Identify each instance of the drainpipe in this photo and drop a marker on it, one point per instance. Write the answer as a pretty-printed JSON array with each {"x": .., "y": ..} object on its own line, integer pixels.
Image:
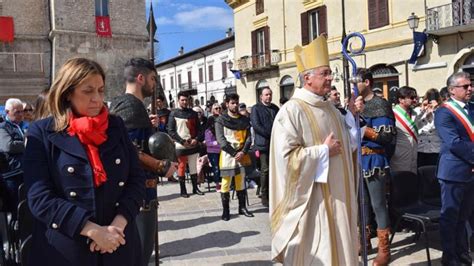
[
  {"x": 205, "y": 77},
  {"x": 175, "y": 83},
  {"x": 51, "y": 25},
  {"x": 284, "y": 29},
  {"x": 406, "y": 73}
]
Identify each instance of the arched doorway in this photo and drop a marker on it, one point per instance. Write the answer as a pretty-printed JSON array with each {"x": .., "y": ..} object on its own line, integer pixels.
[
  {"x": 386, "y": 78},
  {"x": 287, "y": 87},
  {"x": 468, "y": 65},
  {"x": 261, "y": 84}
]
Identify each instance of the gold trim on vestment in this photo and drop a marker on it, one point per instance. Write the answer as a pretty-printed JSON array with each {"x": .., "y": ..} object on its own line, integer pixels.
[
  {"x": 324, "y": 186},
  {"x": 347, "y": 185},
  {"x": 282, "y": 209}
]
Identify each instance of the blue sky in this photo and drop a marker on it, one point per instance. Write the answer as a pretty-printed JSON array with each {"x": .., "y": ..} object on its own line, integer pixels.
[{"x": 188, "y": 23}]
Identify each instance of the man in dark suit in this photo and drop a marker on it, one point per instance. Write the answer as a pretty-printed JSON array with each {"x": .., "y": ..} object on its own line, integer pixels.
[{"x": 454, "y": 122}]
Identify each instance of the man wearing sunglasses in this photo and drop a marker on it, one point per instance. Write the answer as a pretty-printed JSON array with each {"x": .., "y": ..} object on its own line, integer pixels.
[
  {"x": 406, "y": 151},
  {"x": 12, "y": 146},
  {"x": 454, "y": 122}
]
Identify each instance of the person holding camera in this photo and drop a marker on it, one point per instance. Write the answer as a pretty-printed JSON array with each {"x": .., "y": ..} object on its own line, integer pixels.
[{"x": 428, "y": 139}]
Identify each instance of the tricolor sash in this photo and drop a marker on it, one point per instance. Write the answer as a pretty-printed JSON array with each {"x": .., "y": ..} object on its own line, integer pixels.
[
  {"x": 462, "y": 116},
  {"x": 406, "y": 121}
]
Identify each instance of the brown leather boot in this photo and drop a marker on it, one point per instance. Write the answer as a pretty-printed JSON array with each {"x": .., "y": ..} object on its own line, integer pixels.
[{"x": 383, "y": 255}]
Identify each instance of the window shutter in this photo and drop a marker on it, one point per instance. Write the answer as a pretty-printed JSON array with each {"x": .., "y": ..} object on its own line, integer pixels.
[
  {"x": 254, "y": 42},
  {"x": 254, "y": 48},
  {"x": 378, "y": 13},
  {"x": 383, "y": 13},
  {"x": 190, "y": 80},
  {"x": 200, "y": 75},
  {"x": 172, "y": 82},
  {"x": 304, "y": 28},
  {"x": 259, "y": 6},
  {"x": 224, "y": 69},
  {"x": 373, "y": 20},
  {"x": 211, "y": 73},
  {"x": 322, "y": 20},
  {"x": 266, "y": 35}
]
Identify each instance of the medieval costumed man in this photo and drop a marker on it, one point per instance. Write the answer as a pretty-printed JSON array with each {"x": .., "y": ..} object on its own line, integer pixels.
[{"x": 313, "y": 204}]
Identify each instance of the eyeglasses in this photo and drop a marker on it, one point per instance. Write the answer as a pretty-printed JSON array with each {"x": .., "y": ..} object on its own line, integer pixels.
[
  {"x": 217, "y": 108},
  {"x": 465, "y": 86},
  {"x": 413, "y": 97},
  {"x": 28, "y": 110},
  {"x": 325, "y": 74}
]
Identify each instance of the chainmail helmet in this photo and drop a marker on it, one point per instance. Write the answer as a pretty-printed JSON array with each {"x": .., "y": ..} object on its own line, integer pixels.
[{"x": 162, "y": 147}]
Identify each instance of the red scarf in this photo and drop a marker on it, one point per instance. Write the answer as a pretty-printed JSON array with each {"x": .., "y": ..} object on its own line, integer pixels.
[{"x": 91, "y": 132}]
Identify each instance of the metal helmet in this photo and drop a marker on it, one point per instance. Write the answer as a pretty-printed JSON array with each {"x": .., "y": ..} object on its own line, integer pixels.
[{"x": 162, "y": 147}]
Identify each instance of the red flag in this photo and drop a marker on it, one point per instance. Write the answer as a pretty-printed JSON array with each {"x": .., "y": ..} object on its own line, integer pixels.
[
  {"x": 102, "y": 24},
  {"x": 6, "y": 29}
]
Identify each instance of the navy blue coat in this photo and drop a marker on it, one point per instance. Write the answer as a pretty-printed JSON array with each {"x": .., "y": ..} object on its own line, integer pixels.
[
  {"x": 62, "y": 197},
  {"x": 262, "y": 118},
  {"x": 457, "y": 150}
]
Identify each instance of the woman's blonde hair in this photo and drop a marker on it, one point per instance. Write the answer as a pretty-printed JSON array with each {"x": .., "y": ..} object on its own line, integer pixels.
[{"x": 71, "y": 74}]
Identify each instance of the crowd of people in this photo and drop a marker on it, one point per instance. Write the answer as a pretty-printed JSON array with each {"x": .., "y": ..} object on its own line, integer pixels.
[{"x": 91, "y": 169}]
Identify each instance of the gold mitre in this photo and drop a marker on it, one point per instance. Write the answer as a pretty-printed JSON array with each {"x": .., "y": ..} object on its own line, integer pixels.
[{"x": 312, "y": 55}]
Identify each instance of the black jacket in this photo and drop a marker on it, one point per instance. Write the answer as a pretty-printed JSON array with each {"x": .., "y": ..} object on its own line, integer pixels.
[
  {"x": 12, "y": 146},
  {"x": 262, "y": 117}
]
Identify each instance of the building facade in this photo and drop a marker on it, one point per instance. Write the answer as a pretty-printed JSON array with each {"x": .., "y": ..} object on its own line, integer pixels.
[
  {"x": 267, "y": 31},
  {"x": 49, "y": 32},
  {"x": 204, "y": 72}
]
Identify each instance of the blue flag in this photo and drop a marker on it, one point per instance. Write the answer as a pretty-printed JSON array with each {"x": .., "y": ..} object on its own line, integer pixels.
[
  {"x": 419, "y": 40},
  {"x": 236, "y": 73}
]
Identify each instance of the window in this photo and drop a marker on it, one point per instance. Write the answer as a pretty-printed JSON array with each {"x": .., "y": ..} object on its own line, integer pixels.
[
  {"x": 259, "y": 7},
  {"x": 287, "y": 87},
  {"x": 211, "y": 73},
  {"x": 179, "y": 81},
  {"x": 163, "y": 83},
  {"x": 261, "y": 47},
  {"x": 172, "y": 82},
  {"x": 378, "y": 13},
  {"x": 190, "y": 79},
  {"x": 313, "y": 24},
  {"x": 224, "y": 69},
  {"x": 101, "y": 7},
  {"x": 200, "y": 75}
]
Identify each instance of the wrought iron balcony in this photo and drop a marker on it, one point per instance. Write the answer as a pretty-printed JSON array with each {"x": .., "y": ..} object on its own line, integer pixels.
[
  {"x": 260, "y": 61},
  {"x": 190, "y": 88},
  {"x": 450, "y": 18}
]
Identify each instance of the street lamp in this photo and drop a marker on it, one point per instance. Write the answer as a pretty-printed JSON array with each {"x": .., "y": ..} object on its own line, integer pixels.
[
  {"x": 413, "y": 21},
  {"x": 230, "y": 64}
]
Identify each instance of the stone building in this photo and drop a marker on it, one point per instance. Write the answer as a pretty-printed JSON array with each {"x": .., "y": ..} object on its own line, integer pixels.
[
  {"x": 49, "y": 32},
  {"x": 266, "y": 32}
]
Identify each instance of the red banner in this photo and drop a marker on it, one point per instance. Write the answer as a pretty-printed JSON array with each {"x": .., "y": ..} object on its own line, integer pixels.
[
  {"x": 6, "y": 29},
  {"x": 102, "y": 26}
]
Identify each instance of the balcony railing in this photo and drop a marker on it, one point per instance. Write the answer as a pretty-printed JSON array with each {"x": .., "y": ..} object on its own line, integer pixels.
[
  {"x": 189, "y": 88},
  {"x": 459, "y": 13},
  {"x": 259, "y": 61}
]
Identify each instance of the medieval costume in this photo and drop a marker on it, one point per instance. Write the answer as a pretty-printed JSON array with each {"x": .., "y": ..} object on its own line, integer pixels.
[
  {"x": 378, "y": 136},
  {"x": 139, "y": 128},
  {"x": 183, "y": 126},
  {"x": 233, "y": 135}
]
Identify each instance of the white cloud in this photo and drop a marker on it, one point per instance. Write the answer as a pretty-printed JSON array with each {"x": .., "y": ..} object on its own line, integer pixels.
[
  {"x": 209, "y": 17},
  {"x": 164, "y": 21}
]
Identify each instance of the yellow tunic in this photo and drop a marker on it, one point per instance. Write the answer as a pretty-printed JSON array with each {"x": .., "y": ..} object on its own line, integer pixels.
[{"x": 312, "y": 223}]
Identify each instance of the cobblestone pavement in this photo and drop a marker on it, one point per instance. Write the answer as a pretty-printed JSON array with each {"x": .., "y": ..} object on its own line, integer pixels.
[{"x": 191, "y": 232}]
